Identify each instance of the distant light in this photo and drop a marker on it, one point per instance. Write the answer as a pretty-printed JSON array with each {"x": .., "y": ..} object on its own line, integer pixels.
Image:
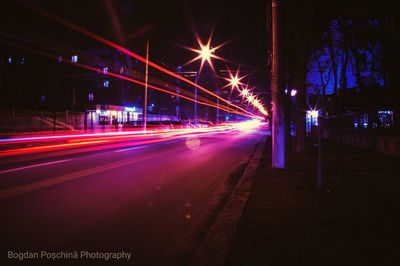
[
  {"x": 130, "y": 109},
  {"x": 91, "y": 97},
  {"x": 234, "y": 81},
  {"x": 285, "y": 91},
  {"x": 245, "y": 92},
  {"x": 313, "y": 116},
  {"x": 248, "y": 125},
  {"x": 10, "y": 60},
  {"x": 293, "y": 92},
  {"x": 106, "y": 83},
  {"x": 251, "y": 99},
  {"x": 105, "y": 70},
  {"x": 74, "y": 59},
  {"x": 313, "y": 113},
  {"x": 60, "y": 59}
]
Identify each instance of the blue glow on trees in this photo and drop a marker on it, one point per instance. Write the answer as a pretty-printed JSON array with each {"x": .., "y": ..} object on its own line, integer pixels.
[{"x": 349, "y": 63}]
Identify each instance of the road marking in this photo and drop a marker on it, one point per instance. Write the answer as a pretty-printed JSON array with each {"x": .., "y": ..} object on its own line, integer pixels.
[
  {"x": 32, "y": 166},
  {"x": 134, "y": 148},
  {"x": 15, "y": 191}
]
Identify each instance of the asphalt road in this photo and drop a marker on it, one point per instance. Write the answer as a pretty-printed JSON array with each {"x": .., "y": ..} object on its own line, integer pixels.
[{"x": 155, "y": 201}]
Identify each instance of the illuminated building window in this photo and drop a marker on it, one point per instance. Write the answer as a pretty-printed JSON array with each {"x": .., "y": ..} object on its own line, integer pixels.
[
  {"x": 385, "y": 118},
  {"x": 22, "y": 61},
  {"x": 311, "y": 119},
  {"x": 121, "y": 70},
  {"x": 74, "y": 59},
  {"x": 10, "y": 60},
  {"x": 106, "y": 83},
  {"x": 105, "y": 70},
  {"x": 91, "y": 97}
]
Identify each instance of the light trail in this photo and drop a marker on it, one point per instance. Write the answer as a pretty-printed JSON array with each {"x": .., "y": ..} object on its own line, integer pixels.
[
  {"x": 117, "y": 139},
  {"x": 132, "y": 80},
  {"x": 90, "y": 140},
  {"x": 124, "y": 50},
  {"x": 32, "y": 166}
]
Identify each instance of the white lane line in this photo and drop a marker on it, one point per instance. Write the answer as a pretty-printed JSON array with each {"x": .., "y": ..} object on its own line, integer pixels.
[
  {"x": 32, "y": 166},
  {"x": 134, "y": 148}
]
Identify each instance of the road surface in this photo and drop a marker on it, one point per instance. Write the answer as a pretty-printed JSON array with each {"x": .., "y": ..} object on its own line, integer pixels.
[{"x": 154, "y": 200}]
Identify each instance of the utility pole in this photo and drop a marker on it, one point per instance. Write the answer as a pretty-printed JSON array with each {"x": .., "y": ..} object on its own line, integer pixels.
[
  {"x": 178, "y": 91},
  {"x": 277, "y": 87},
  {"x": 195, "y": 98},
  {"x": 145, "y": 87}
]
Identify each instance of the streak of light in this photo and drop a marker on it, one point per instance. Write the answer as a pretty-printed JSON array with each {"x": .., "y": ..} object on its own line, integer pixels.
[
  {"x": 94, "y": 36},
  {"x": 129, "y": 149},
  {"x": 222, "y": 107},
  {"x": 33, "y": 166},
  {"x": 47, "y": 148},
  {"x": 115, "y": 21},
  {"x": 113, "y": 141},
  {"x": 248, "y": 125}
]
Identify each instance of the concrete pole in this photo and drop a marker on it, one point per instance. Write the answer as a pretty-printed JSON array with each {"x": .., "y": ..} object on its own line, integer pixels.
[
  {"x": 195, "y": 99},
  {"x": 178, "y": 91},
  {"x": 146, "y": 87},
  {"x": 277, "y": 87}
]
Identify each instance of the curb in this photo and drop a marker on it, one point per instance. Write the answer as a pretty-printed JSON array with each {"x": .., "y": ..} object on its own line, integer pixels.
[{"x": 215, "y": 247}]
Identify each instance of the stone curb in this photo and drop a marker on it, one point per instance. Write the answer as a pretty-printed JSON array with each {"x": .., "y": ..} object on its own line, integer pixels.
[{"x": 215, "y": 247}]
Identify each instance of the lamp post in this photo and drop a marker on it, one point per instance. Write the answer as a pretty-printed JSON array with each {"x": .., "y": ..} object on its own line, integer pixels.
[
  {"x": 195, "y": 97},
  {"x": 205, "y": 53},
  {"x": 146, "y": 87}
]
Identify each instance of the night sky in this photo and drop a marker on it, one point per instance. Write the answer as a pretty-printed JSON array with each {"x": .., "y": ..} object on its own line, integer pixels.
[{"x": 169, "y": 25}]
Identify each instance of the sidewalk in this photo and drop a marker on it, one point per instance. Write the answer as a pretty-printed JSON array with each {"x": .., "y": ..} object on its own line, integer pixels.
[{"x": 355, "y": 220}]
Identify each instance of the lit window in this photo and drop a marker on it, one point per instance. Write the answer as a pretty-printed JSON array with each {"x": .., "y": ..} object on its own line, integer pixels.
[
  {"x": 74, "y": 58},
  {"x": 10, "y": 60},
  {"x": 121, "y": 70},
  {"x": 106, "y": 83},
  {"x": 105, "y": 70},
  {"x": 91, "y": 97},
  {"x": 22, "y": 61}
]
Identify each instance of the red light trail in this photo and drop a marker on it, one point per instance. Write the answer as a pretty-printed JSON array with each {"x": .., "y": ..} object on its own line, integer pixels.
[
  {"x": 109, "y": 73},
  {"x": 125, "y": 51}
]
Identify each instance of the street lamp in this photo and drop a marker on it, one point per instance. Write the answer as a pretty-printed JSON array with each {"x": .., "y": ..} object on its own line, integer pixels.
[
  {"x": 205, "y": 53},
  {"x": 234, "y": 81}
]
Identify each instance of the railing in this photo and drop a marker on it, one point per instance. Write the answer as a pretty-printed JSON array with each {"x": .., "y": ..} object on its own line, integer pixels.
[
  {"x": 387, "y": 142},
  {"x": 14, "y": 122}
]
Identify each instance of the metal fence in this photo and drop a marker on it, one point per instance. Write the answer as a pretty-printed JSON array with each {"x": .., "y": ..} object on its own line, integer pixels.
[{"x": 25, "y": 121}]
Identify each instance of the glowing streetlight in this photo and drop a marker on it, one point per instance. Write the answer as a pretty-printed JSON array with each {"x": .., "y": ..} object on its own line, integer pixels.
[
  {"x": 205, "y": 52},
  {"x": 234, "y": 81},
  {"x": 244, "y": 92}
]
